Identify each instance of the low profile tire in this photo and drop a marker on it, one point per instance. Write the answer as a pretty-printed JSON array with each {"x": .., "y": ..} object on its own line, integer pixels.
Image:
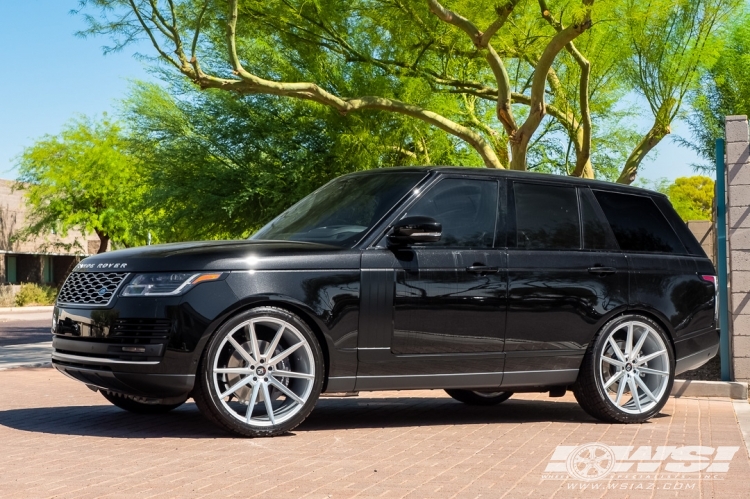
[
  {"x": 130, "y": 405},
  {"x": 479, "y": 397},
  {"x": 261, "y": 373},
  {"x": 627, "y": 372}
]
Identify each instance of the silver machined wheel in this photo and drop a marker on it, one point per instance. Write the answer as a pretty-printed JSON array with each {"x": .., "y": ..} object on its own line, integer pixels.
[
  {"x": 263, "y": 372},
  {"x": 634, "y": 367}
]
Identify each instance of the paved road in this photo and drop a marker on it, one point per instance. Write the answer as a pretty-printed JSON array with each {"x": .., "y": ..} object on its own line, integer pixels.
[
  {"x": 59, "y": 439},
  {"x": 24, "y": 339}
]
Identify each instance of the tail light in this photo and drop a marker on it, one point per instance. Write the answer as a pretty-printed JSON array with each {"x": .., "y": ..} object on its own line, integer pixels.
[{"x": 712, "y": 279}]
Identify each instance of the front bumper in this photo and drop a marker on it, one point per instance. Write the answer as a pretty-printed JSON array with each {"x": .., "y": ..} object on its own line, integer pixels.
[{"x": 142, "y": 346}]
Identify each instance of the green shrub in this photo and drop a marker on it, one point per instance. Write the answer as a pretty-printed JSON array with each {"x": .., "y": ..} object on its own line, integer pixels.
[{"x": 34, "y": 294}]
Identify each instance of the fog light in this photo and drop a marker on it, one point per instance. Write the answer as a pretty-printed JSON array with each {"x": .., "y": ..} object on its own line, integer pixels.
[{"x": 134, "y": 349}]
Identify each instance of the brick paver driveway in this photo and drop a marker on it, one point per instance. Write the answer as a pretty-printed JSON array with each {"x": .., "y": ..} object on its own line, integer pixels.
[{"x": 58, "y": 439}]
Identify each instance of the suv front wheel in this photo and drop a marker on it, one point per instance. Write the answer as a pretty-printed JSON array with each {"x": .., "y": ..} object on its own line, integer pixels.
[
  {"x": 627, "y": 372},
  {"x": 261, "y": 373}
]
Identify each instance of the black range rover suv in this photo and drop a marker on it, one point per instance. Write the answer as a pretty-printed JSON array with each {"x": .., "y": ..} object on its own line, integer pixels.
[{"x": 479, "y": 282}]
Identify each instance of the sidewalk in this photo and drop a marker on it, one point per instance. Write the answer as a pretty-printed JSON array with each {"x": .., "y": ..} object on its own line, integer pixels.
[{"x": 62, "y": 440}]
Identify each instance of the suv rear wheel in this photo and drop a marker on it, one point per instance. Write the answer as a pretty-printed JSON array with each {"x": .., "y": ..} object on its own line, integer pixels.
[
  {"x": 627, "y": 372},
  {"x": 479, "y": 397},
  {"x": 261, "y": 373}
]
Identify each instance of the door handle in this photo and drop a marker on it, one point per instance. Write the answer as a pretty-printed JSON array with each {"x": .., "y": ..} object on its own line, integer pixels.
[
  {"x": 602, "y": 270},
  {"x": 482, "y": 269}
]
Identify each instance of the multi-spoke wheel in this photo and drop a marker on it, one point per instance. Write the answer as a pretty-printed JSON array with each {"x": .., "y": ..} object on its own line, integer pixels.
[
  {"x": 479, "y": 397},
  {"x": 261, "y": 373},
  {"x": 628, "y": 371}
]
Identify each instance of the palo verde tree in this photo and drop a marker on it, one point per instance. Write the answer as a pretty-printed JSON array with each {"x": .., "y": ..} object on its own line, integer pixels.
[
  {"x": 83, "y": 178},
  {"x": 495, "y": 78}
]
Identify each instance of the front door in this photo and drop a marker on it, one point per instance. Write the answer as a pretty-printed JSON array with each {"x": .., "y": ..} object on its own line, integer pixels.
[{"x": 434, "y": 314}]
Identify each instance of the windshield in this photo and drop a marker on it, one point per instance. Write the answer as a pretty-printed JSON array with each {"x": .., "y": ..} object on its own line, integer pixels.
[{"x": 343, "y": 210}]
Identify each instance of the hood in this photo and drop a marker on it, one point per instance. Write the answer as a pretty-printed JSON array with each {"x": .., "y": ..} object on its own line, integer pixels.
[{"x": 223, "y": 255}]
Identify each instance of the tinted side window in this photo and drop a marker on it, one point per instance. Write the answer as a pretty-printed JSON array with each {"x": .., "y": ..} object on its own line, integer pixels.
[
  {"x": 546, "y": 217},
  {"x": 467, "y": 209},
  {"x": 596, "y": 231},
  {"x": 638, "y": 224}
]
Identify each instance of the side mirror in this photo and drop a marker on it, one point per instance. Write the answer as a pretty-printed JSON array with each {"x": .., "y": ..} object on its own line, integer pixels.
[{"x": 414, "y": 230}]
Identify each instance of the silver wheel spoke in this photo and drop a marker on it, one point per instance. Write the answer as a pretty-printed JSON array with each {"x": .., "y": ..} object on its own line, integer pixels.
[
  {"x": 610, "y": 360},
  {"x": 645, "y": 389},
  {"x": 236, "y": 386},
  {"x": 267, "y": 400},
  {"x": 639, "y": 345},
  {"x": 286, "y": 391},
  {"x": 233, "y": 370},
  {"x": 616, "y": 349},
  {"x": 613, "y": 379},
  {"x": 634, "y": 393},
  {"x": 244, "y": 353},
  {"x": 286, "y": 353},
  {"x": 251, "y": 405},
  {"x": 648, "y": 370},
  {"x": 254, "y": 340},
  {"x": 620, "y": 391},
  {"x": 648, "y": 357},
  {"x": 629, "y": 341},
  {"x": 272, "y": 347},
  {"x": 290, "y": 374}
]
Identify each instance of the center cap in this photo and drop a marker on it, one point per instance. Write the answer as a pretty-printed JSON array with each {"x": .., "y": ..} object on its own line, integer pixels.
[
  {"x": 628, "y": 367},
  {"x": 261, "y": 371}
]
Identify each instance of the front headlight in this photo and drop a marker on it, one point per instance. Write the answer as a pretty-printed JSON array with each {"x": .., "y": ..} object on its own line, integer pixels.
[{"x": 166, "y": 284}]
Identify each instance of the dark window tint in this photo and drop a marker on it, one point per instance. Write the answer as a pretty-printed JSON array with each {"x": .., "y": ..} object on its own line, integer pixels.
[
  {"x": 638, "y": 224},
  {"x": 341, "y": 212},
  {"x": 596, "y": 231},
  {"x": 546, "y": 217},
  {"x": 467, "y": 209}
]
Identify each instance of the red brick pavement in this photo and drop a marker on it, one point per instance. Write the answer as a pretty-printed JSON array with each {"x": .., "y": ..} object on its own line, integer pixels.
[{"x": 59, "y": 439}]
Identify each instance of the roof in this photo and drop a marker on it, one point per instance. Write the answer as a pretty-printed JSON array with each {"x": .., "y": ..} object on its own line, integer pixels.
[{"x": 519, "y": 175}]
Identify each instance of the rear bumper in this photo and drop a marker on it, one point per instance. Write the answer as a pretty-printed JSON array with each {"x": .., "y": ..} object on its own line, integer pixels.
[{"x": 693, "y": 352}]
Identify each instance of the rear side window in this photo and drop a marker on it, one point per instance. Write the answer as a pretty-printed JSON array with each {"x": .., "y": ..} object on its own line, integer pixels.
[
  {"x": 546, "y": 217},
  {"x": 638, "y": 224},
  {"x": 597, "y": 235}
]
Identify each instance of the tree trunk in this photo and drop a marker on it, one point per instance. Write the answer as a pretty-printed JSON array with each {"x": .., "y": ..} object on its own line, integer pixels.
[
  {"x": 659, "y": 130},
  {"x": 103, "y": 242}
]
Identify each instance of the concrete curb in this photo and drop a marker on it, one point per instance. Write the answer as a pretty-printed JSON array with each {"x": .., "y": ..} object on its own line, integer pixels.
[
  {"x": 4, "y": 310},
  {"x": 32, "y": 365},
  {"x": 691, "y": 388}
]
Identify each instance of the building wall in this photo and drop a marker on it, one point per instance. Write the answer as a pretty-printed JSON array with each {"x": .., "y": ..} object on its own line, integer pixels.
[
  {"x": 703, "y": 230},
  {"x": 30, "y": 254}
]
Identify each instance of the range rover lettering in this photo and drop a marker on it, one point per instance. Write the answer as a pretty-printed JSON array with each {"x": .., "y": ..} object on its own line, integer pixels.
[{"x": 482, "y": 283}]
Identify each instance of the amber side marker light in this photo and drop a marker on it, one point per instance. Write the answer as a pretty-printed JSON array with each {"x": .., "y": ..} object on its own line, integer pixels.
[{"x": 205, "y": 278}]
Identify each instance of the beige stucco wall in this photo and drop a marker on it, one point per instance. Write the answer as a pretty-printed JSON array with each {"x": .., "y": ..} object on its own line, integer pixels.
[{"x": 13, "y": 218}]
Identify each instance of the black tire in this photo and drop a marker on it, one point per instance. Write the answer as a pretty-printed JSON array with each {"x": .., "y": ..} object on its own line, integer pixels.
[
  {"x": 129, "y": 404},
  {"x": 216, "y": 411},
  {"x": 479, "y": 397},
  {"x": 589, "y": 388}
]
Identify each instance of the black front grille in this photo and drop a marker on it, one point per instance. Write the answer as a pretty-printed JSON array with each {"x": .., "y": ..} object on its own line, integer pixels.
[
  {"x": 139, "y": 331},
  {"x": 90, "y": 288}
]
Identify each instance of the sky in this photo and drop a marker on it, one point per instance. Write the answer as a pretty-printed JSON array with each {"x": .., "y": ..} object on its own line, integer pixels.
[{"x": 51, "y": 76}]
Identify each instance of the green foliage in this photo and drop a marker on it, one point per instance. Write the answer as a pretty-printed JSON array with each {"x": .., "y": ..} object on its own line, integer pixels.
[
  {"x": 34, "y": 294},
  {"x": 220, "y": 166},
  {"x": 692, "y": 197},
  {"x": 724, "y": 91},
  {"x": 83, "y": 178}
]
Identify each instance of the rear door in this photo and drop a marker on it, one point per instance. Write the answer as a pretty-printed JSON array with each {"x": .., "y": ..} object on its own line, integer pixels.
[{"x": 565, "y": 276}]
